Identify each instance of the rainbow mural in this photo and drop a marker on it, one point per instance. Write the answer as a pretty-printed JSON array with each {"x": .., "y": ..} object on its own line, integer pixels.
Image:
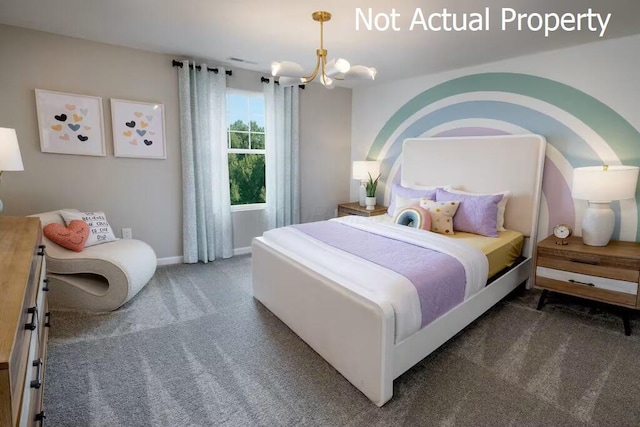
[{"x": 580, "y": 131}]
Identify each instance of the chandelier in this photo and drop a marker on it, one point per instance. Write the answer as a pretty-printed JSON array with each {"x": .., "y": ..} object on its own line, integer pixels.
[{"x": 291, "y": 73}]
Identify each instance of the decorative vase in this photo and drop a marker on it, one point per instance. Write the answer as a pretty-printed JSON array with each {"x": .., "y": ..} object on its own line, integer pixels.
[{"x": 370, "y": 202}]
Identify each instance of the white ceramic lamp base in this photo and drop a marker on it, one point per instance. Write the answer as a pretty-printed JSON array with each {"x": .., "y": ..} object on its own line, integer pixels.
[
  {"x": 362, "y": 193},
  {"x": 597, "y": 224}
]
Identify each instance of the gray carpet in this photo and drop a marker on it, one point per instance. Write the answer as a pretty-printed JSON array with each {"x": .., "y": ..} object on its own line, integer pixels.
[{"x": 195, "y": 349}]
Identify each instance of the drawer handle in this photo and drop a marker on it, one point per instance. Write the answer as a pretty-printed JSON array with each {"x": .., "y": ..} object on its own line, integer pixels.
[
  {"x": 33, "y": 311},
  {"x": 46, "y": 285},
  {"x": 581, "y": 283},
  {"x": 40, "y": 417},
  {"x": 47, "y": 319},
  {"x": 38, "y": 381},
  {"x": 582, "y": 261},
  {"x": 41, "y": 250}
]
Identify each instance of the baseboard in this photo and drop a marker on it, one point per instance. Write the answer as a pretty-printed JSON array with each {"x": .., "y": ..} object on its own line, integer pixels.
[
  {"x": 179, "y": 259},
  {"x": 170, "y": 260},
  {"x": 242, "y": 251}
]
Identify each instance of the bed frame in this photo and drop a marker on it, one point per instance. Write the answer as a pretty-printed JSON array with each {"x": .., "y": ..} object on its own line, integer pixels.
[{"x": 356, "y": 335}]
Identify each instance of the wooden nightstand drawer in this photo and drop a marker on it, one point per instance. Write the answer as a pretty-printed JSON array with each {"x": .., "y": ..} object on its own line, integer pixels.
[
  {"x": 581, "y": 266},
  {"x": 572, "y": 278},
  {"x": 587, "y": 259}
]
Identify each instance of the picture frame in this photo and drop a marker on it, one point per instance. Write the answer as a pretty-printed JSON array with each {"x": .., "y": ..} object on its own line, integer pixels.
[
  {"x": 138, "y": 129},
  {"x": 70, "y": 123}
]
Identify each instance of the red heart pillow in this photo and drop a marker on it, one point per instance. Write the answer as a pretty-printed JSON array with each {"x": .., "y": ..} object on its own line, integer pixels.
[{"x": 73, "y": 237}]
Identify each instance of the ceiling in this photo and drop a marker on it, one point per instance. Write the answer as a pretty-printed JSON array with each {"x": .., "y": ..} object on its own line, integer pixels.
[{"x": 263, "y": 31}]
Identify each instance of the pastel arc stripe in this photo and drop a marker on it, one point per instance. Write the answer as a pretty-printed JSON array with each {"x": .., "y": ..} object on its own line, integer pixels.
[{"x": 613, "y": 128}]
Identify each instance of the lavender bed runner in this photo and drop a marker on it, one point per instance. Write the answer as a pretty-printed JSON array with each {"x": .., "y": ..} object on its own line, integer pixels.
[{"x": 438, "y": 278}]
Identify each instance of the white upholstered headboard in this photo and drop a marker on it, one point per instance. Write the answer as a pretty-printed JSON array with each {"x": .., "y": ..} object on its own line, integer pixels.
[{"x": 483, "y": 164}]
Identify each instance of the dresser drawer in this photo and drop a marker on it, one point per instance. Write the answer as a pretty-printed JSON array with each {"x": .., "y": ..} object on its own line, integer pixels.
[
  {"x": 32, "y": 386},
  {"x": 28, "y": 331}
]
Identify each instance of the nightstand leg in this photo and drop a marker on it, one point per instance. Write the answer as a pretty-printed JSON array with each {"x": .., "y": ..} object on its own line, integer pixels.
[
  {"x": 543, "y": 295},
  {"x": 625, "y": 322}
]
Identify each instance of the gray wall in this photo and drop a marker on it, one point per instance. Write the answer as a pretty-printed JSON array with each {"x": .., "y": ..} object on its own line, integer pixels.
[
  {"x": 325, "y": 167},
  {"x": 143, "y": 194}
]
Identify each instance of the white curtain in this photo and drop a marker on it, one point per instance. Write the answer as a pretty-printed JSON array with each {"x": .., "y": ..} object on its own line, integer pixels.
[
  {"x": 282, "y": 151},
  {"x": 206, "y": 207}
]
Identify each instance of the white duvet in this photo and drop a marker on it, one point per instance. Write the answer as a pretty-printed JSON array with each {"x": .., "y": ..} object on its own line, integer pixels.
[{"x": 372, "y": 281}]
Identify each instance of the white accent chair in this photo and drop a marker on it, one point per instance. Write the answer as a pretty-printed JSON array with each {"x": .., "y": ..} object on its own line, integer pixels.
[{"x": 100, "y": 278}]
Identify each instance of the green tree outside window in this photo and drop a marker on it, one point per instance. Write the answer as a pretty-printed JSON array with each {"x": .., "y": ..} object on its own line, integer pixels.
[{"x": 246, "y": 145}]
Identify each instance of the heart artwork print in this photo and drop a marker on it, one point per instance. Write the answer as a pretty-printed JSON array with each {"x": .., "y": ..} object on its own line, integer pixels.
[
  {"x": 138, "y": 129},
  {"x": 69, "y": 123}
]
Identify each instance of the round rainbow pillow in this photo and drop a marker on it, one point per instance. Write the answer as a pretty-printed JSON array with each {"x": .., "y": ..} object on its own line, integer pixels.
[{"x": 414, "y": 216}]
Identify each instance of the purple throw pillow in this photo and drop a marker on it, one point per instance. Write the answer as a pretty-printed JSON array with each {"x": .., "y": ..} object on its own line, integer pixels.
[
  {"x": 409, "y": 193},
  {"x": 476, "y": 214}
]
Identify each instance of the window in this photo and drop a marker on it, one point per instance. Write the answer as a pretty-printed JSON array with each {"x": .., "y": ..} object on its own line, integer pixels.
[{"x": 245, "y": 148}]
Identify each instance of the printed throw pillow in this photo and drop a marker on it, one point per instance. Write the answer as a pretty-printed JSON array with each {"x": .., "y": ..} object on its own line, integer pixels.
[
  {"x": 414, "y": 216},
  {"x": 477, "y": 214},
  {"x": 409, "y": 196},
  {"x": 441, "y": 214},
  {"x": 99, "y": 229},
  {"x": 72, "y": 237}
]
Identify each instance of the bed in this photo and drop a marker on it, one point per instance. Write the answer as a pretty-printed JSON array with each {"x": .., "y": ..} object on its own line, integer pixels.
[{"x": 361, "y": 335}]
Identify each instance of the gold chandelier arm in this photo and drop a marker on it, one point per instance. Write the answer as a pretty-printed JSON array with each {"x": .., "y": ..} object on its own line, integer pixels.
[
  {"x": 323, "y": 75},
  {"x": 313, "y": 75}
]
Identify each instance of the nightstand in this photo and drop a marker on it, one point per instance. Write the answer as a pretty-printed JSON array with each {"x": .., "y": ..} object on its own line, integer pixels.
[
  {"x": 607, "y": 274},
  {"x": 354, "y": 208}
]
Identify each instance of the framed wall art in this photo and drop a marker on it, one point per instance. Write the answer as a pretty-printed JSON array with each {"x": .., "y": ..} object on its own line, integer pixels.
[
  {"x": 70, "y": 123},
  {"x": 138, "y": 129}
]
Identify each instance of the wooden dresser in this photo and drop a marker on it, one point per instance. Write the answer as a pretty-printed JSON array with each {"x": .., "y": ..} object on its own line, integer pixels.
[{"x": 24, "y": 321}]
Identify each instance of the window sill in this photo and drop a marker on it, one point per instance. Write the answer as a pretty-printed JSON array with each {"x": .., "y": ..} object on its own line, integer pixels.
[{"x": 249, "y": 207}]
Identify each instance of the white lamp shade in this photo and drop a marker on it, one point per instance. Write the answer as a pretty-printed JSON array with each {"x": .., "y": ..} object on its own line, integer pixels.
[
  {"x": 361, "y": 72},
  {"x": 603, "y": 184},
  {"x": 327, "y": 82},
  {"x": 287, "y": 68},
  {"x": 362, "y": 169},
  {"x": 336, "y": 67},
  {"x": 10, "y": 159}
]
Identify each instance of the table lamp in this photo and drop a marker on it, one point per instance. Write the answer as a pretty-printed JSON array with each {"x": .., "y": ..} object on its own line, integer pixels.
[
  {"x": 600, "y": 185},
  {"x": 10, "y": 159},
  {"x": 361, "y": 171}
]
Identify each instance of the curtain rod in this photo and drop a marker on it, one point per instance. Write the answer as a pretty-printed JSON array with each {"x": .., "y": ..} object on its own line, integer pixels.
[
  {"x": 198, "y": 67},
  {"x": 266, "y": 80}
]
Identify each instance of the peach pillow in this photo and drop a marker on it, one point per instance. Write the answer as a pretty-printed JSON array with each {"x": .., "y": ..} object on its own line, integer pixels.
[{"x": 72, "y": 237}]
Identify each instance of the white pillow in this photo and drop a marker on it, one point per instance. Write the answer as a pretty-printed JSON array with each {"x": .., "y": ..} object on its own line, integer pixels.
[
  {"x": 502, "y": 205},
  {"x": 99, "y": 229}
]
